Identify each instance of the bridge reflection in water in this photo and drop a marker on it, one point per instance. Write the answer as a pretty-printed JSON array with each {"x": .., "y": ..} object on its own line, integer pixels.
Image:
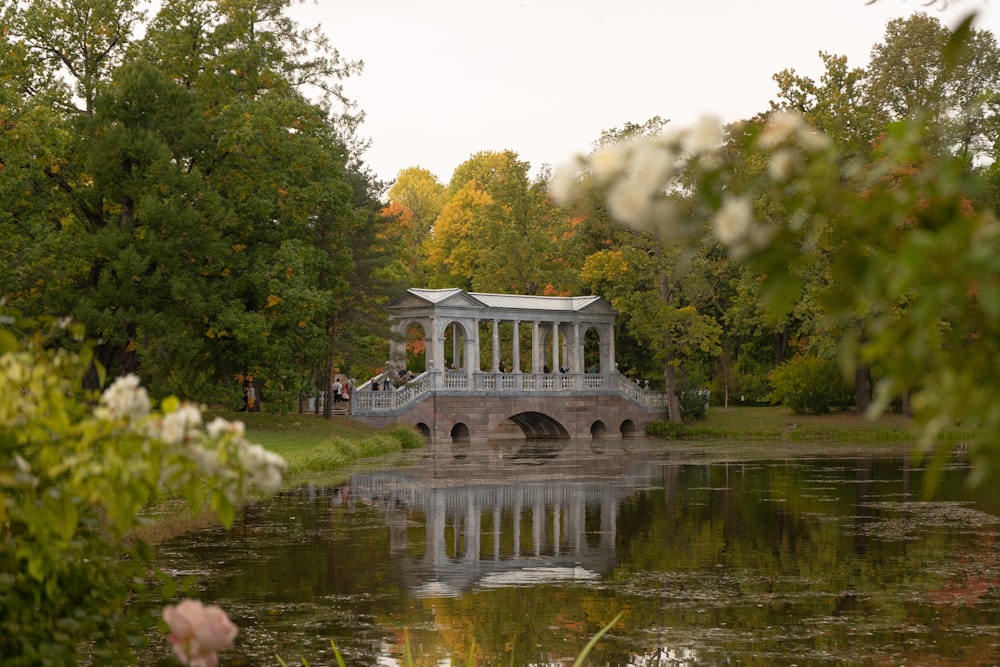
[{"x": 557, "y": 521}]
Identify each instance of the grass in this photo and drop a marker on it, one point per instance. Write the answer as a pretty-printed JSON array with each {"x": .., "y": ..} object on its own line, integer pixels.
[
  {"x": 772, "y": 423},
  {"x": 319, "y": 449}
]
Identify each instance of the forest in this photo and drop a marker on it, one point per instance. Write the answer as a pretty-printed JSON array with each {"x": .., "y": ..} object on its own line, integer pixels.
[{"x": 190, "y": 187}]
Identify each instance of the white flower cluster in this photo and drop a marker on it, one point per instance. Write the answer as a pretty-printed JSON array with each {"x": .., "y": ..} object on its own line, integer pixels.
[
  {"x": 124, "y": 399},
  {"x": 264, "y": 468},
  {"x": 637, "y": 175},
  {"x": 179, "y": 426},
  {"x": 734, "y": 227},
  {"x": 208, "y": 448}
]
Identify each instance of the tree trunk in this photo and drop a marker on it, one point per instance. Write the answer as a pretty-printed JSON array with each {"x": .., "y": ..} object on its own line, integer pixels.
[
  {"x": 862, "y": 388},
  {"x": 780, "y": 344},
  {"x": 326, "y": 377},
  {"x": 724, "y": 369},
  {"x": 673, "y": 398}
]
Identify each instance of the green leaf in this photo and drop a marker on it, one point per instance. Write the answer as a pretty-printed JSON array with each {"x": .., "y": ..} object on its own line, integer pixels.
[{"x": 593, "y": 640}]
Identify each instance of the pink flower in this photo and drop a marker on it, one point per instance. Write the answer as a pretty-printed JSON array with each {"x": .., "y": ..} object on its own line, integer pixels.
[{"x": 198, "y": 632}]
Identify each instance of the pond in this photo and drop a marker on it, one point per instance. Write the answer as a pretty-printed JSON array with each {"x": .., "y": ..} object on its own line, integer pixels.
[{"x": 517, "y": 554}]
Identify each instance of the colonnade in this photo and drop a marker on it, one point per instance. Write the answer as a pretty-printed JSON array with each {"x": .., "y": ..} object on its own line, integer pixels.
[{"x": 559, "y": 327}]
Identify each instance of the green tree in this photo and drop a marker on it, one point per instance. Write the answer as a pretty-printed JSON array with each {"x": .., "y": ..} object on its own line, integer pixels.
[
  {"x": 950, "y": 80},
  {"x": 201, "y": 206}
]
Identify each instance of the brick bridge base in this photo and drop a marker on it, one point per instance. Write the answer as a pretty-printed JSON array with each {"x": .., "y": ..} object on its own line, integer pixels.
[{"x": 445, "y": 418}]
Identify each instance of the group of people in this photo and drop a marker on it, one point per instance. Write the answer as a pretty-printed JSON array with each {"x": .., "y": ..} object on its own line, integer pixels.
[
  {"x": 341, "y": 390},
  {"x": 388, "y": 379}
]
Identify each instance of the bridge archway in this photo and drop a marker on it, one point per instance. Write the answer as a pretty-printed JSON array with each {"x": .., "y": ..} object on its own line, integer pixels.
[
  {"x": 538, "y": 426},
  {"x": 598, "y": 429}
]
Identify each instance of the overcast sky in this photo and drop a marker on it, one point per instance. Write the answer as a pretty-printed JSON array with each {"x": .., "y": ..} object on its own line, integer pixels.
[{"x": 444, "y": 79}]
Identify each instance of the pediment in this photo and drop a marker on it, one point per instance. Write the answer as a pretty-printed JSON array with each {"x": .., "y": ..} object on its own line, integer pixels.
[{"x": 421, "y": 298}]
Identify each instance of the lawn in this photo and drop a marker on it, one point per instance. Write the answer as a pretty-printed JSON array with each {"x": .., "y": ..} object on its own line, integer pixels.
[
  {"x": 288, "y": 433},
  {"x": 778, "y": 422}
]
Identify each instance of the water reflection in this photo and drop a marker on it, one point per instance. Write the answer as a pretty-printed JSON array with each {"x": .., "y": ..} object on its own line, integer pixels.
[{"x": 715, "y": 556}]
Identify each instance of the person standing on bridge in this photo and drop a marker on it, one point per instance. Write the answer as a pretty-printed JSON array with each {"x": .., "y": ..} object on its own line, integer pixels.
[{"x": 337, "y": 389}]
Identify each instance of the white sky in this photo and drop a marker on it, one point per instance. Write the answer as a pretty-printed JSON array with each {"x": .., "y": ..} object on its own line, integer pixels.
[{"x": 444, "y": 79}]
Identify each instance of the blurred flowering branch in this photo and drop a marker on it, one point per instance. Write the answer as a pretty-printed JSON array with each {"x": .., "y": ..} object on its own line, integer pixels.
[
  {"x": 904, "y": 258},
  {"x": 75, "y": 473}
]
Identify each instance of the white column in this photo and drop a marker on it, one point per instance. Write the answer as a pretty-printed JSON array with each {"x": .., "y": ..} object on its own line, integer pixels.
[
  {"x": 496, "y": 346},
  {"x": 435, "y": 351},
  {"x": 516, "y": 361},
  {"x": 576, "y": 355},
  {"x": 536, "y": 358},
  {"x": 472, "y": 358},
  {"x": 555, "y": 347}
]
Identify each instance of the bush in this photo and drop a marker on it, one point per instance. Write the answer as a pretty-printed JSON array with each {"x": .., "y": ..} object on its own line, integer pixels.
[
  {"x": 665, "y": 429},
  {"x": 694, "y": 404},
  {"x": 76, "y": 470},
  {"x": 810, "y": 385}
]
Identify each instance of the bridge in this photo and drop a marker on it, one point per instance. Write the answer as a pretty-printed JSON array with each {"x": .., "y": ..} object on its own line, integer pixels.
[{"x": 468, "y": 392}]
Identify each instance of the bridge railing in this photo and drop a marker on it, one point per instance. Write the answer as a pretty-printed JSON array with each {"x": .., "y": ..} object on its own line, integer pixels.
[{"x": 364, "y": 401}]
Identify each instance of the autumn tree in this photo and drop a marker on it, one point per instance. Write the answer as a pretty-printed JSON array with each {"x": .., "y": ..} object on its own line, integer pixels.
[
  {"x": 415, "y": 201},
  {"x": 498, "y": 231}
]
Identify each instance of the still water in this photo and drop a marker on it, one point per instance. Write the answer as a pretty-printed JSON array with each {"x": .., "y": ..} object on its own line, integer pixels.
[{"x": 763, "y": 554}]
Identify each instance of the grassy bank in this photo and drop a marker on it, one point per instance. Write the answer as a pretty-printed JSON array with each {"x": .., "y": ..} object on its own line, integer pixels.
[
  {"x": 772, "y": 423},
  {"x": 317, "y": 448}
]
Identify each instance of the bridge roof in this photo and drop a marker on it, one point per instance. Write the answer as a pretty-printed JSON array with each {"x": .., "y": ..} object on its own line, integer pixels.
[{"x": 505, "y": 301}]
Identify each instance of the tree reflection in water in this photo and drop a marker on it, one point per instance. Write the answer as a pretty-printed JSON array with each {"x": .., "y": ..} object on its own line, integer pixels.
[{"x": 715, "y": 554}]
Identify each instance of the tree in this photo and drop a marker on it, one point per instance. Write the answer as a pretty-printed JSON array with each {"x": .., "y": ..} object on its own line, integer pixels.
[
  {"x": 415, "y": 201},
  {"x": 950, "y": 80},
  {"x": 498, "y": 232},
  {"x": 200, "y": 203},
  {"x": 646, "y": 281}
]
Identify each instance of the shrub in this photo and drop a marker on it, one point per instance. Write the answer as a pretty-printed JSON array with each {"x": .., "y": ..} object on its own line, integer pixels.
[
  {"x": 76, "y": 470},
  {"x": 810, "y": 385},
  {"x": 694, "y": 404},
  {"x": 665, "y": 429}
]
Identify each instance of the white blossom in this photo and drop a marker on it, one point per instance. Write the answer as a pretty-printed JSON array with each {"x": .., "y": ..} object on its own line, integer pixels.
[
  {"x": 783, "y": 164},
  {"x": 220, "y": 427},
  {"x": 781, "y": 126},
  {"x": 610, "y": 162},
  {"x": 566, "y": 185},
  {"x": 263, "y": 467},
  {"x": 628, "y": 202},
  {"x": 651, "y": 167},
  {"x": 705, "y": 136},
  {"x": 733, "y": 221},
  {"x": 125, "y": 398},
  {"x": 176, "y": 426},
  {"x": 813, "y": 140}
]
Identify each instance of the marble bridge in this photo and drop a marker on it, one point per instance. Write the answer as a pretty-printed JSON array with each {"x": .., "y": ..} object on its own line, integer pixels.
[{"x": 463, "y": 396}]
